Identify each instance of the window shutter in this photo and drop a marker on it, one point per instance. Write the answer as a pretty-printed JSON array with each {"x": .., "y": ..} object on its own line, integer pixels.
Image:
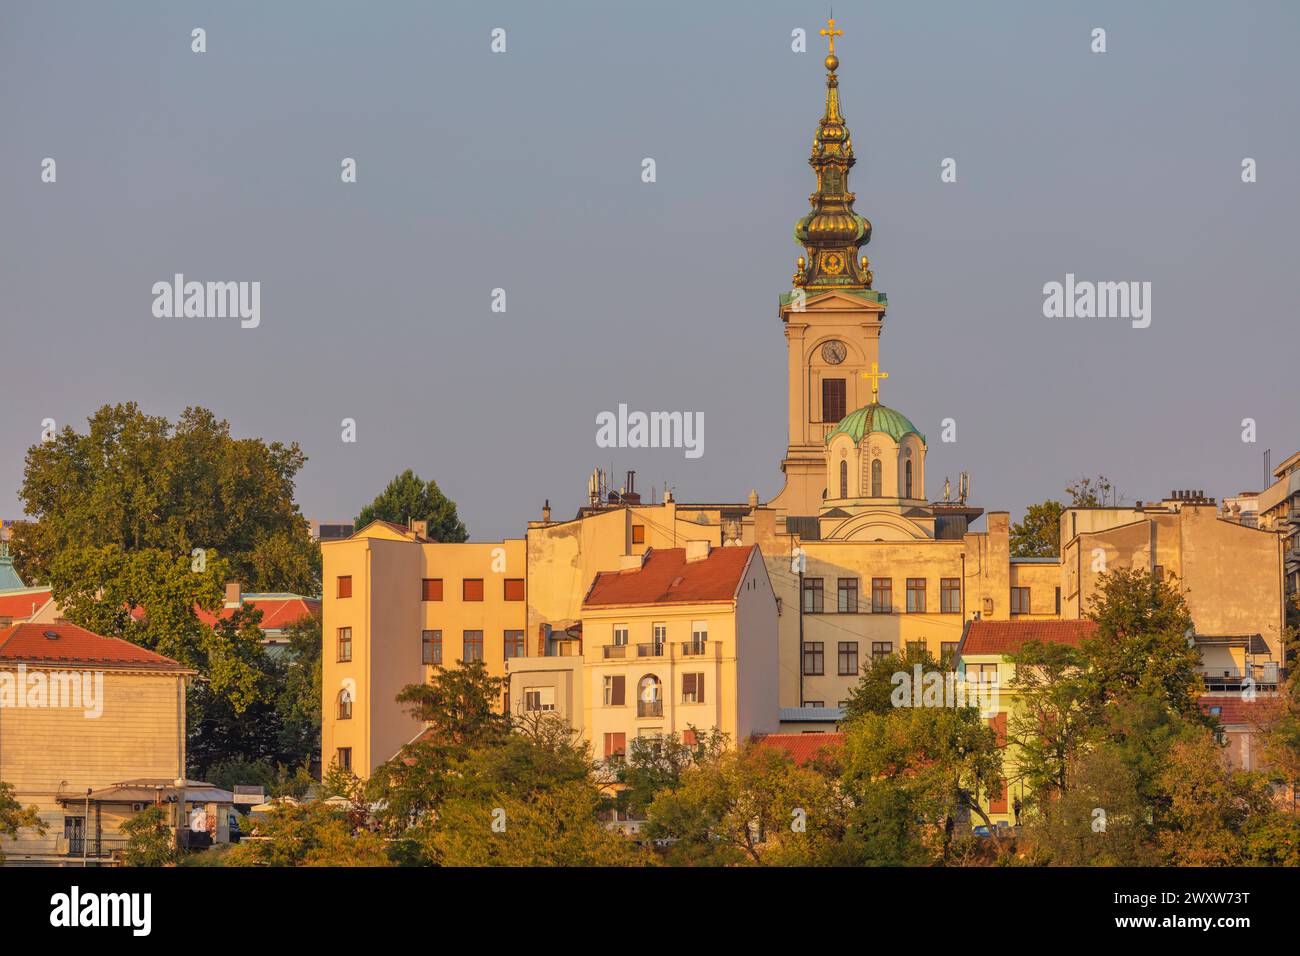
[{"x": 617, "y": 691}]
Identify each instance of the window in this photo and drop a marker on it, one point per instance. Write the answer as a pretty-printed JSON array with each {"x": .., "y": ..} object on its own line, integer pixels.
[
  {"x": 471, "y": 589},
  {"x": 881, "y": 649},
  {"x": 473, "y": 646},
  {"x": 514, "y": 589},
  {"x": 916, "y": 648},
  {"x": 638, "y": 534},
  {"x": 660, "y": 633},
  {"x": 689, "y": 738},
  {"x": 848, "y": 658},
  {"x": 343, "y": 758},
  {"x": 615, "y": 691},
  {"x": 1158, "y": 572},
  {"x": 431, "y": 589},
  {"x": 620, "y": 635},
  {"x": 814, "y": 654},
  {"x": 692, "y": 688},
  {"x": 916, "y": 595},
  {"x": 907, "y": 480},
  {"x": 345, "y": 644},
  {"x": 848, "y": 595},
  {"x": 985, "y": 673},
  {"x": 615, "y": 745},
  {"x": 948, "y": 652},
  {"x": 882, "y": 595},
  {"x": 814, "y": 703},
  {"x": 345, "y": 586},
  {"x": 812, "y": 596},
  {"x": 539, "y": 700},
  {"x": 834, "y": 405},
  {"x": 345, "y": 704},
  {"x": 431, "y": 647},
  {"x": 514, "y": 644},
  {"x": 950, "y": 595},
  {"x": 699, "y": 636},
  {"x": 844, "y": 479},
  {"x": 1020, "y": 600},
  {"x": 649, "y": 697},
  {"x": 1058, "y": 600}
]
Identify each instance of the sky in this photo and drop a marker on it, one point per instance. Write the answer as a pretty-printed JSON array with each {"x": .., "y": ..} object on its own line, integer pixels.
[{"x": 522, "y": 171}]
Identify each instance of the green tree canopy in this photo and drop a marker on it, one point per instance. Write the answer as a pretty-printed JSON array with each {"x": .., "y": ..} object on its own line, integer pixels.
[{"x": 408, "y": 497}]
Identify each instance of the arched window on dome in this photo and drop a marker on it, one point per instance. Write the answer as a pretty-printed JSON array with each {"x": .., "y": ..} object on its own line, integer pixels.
[
  {"x": 876, "y": 488},
  {"x": 907, "y": 480},
  {"x": 844, "y": 479}
]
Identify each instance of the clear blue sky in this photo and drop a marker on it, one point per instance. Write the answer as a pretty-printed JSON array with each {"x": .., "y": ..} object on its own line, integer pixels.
[{"x": 522, "y": 171}]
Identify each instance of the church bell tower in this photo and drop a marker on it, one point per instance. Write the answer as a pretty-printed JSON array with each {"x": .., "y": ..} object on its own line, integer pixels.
[{"x": 832, "y": 315}]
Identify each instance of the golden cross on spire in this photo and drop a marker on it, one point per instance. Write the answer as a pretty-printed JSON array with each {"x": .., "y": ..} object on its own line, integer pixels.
[
  {"x": 875, "y": 375},
  {"x": 832, "y": 33}
]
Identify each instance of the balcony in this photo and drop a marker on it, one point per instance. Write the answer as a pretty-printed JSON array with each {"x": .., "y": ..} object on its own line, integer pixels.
[
  {"x": 93, "y": 848},
  {"x": 649, "y": 708},
  {"x": 615, "y": 651},
  {"x": 650, "y": 650},
  {"x": 694, "y": 648}
]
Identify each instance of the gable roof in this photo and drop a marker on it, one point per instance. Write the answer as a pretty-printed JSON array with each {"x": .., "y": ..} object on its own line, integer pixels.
[
  {"x": 31, "y": 643},
  {"x": 802, "y": 748},
  {"x": 667, "y": 577},
  {"x": 1233, "y": 710},
  {"x": 1007, "y": 637},
  {"x": 23, "y": 602},
  {"x": 278, "y": 610}
]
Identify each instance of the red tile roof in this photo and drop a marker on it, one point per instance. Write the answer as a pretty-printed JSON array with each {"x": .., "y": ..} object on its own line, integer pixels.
[
  {"x": 75, "y": 645},
  {"x": 1234, "y": 710},
  {"x": 1007, "y": 637},
  {"x": 21, "y": 605},
  {"x": 667, "y": 578},
  {"x": 277, "y": 612},
  {"x": 802, "y": 747}
]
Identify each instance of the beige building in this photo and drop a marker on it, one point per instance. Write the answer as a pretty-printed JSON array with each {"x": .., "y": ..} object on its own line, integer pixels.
[{"x": 80, "y": 713}]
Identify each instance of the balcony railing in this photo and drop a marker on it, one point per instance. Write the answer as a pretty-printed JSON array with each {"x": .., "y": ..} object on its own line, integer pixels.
[
  {"x": 92, "y": 848},
  {"x": 649, "y": 708},
  {"x": 615, "y": 650},
  {"x": 694, "y": 648},
  {"x": 650, "y": 650}
]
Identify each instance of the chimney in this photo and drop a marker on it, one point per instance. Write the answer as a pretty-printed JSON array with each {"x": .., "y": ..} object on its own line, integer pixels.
[
  {"x": 753, "y": 497},
  {"x": 546, "y": 511},
  {"x": 697, "y": 550},
  {"x": 234, "y": 594},
  {"x": 421, "y": 528}
]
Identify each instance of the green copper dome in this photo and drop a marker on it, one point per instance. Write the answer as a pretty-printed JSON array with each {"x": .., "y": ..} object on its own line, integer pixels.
[{"x": 875, "y": 418}]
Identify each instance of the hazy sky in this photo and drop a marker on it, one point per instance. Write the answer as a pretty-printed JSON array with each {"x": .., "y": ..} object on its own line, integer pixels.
[{"x": 523, "y": 171}]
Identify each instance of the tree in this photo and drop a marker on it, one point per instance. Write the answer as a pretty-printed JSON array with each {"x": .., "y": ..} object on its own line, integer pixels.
[
  {"x": 310, "y": 834},
  {"x": 1143, "y": 642},
  {"x": 1053, "y": 719},
  {"x": 14, "y": 816},
  {"x": 653, "y": 765},
  {"x": 874, "y": 691},
  {"x": 459, "y": 705},
  {"x": 1086, "y": 492},
  {"x": 751, "y": 805},
  {"x": 1038, "y": 535},
  {"x": 134, "y": 482},
  {"x": 150, "y": 841},
  {"x": 408, "y": 497}
]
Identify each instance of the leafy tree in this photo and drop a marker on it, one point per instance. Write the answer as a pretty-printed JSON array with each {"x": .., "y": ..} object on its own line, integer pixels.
[
  {"x": 459, "y": 705},
  {"x": 309, "y": 834},
  {"x": 409, "y": 497},
  {"x": 1143, "y": 642},
  {"x": 1053, "y": 720},
  {"x": 653, "y": 765},
  {"x": 751, "y": 805},
  {"x": 1086, "y": 492},
  {"x": 134, "y": 482},
  {"x": 1038, "y": 534},
  {"x": 276, "y": 780},
  {"x": 874, "y": 691},
  {"x": 14, "y": 816},
  {"x": 150, "y": 841}
]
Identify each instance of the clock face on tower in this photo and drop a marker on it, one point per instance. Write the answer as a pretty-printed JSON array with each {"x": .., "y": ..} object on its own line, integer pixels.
[{"x": 833, "y": 352}]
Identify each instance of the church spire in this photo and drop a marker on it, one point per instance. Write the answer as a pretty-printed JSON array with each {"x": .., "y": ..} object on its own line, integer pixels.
[{"x": 832, "y": 232}]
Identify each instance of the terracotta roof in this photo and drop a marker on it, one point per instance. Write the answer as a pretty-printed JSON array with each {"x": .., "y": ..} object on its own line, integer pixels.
[
  {"x": 278, "y": 611},
  {"x": 802, "y": 747},
  {"x": 1232, "y": 709},
  {"x": 75, "y": 645},
  {"x": 668, "y": 578},
  {"x": 19, "y": 605},
  {"x": 1007, "y": 637}
]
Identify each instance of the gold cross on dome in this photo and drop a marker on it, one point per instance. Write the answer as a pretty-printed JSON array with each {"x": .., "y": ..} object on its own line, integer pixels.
[
  {"x": 832, "y": 33},
  {"x": 875, "y": 375}
]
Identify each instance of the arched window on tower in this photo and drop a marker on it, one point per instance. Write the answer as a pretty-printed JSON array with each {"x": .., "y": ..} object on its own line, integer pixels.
[
  {"x": 844, "y": 479},
  {"x": 907, "y": 480},
  {"x": 876, "y": 488},
  {"x": 345, "y": 704}
]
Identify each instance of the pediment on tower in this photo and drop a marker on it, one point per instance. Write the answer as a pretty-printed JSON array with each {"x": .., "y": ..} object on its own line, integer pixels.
[
  {"x": 833, "y": 300},
  {"x": 873, "y": 526}
]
